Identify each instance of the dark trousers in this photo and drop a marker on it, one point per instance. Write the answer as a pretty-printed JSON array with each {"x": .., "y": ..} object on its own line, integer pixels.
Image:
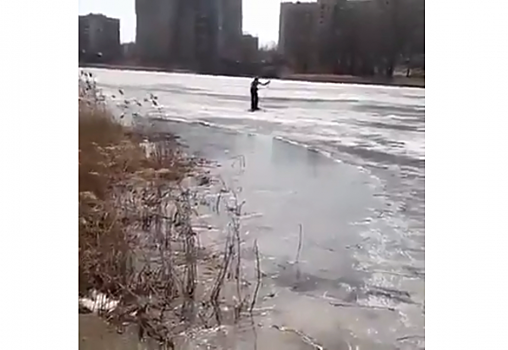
[{"x": 254, "y": 100}]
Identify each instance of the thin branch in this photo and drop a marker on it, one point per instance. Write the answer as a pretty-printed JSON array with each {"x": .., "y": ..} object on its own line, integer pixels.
[
  {"x": 305, "y": 338},
  {"x": 298, "y": 251},
  {"x": 258, "y": 283}
]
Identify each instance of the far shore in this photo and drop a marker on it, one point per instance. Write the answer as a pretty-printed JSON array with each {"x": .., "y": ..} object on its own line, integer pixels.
[
  {"x": 350, "y": 79},
  {"x": 402, "y": 81}
]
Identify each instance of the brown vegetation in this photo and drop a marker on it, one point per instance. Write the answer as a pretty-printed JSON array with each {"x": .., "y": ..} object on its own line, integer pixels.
[
  {"x": 109, "y": 155},
  {"x": 136, "y": 242}
]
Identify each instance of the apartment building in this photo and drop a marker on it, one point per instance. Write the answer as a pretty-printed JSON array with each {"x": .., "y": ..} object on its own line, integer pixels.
[
  {"x": 99, "y": 38},
  {"x": 298, "y": 29}
]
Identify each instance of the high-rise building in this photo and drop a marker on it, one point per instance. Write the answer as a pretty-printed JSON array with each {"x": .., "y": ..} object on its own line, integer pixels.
[
  {"x": 328, "y": 32},
  {"x": 249, "y": 48},
  {"x": 155, "y": 30},
  {"x": 179, "y": 33},
  {"x": 297, "y": 34},
  {"x": 230, "y": 27},
  {"x": 206, "y": 48},
  {"x": 99, "y": 38}
]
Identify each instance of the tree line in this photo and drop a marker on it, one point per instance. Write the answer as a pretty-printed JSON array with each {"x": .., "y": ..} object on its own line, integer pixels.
[{"x": 367, "y": 38}]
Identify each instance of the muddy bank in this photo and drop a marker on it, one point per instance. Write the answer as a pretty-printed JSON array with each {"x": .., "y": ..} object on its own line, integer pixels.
[{"x": 96, "y": 334}]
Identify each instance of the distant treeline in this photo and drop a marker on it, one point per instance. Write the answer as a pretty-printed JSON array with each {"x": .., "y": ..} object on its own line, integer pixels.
[{"x": 368, "y": 38}]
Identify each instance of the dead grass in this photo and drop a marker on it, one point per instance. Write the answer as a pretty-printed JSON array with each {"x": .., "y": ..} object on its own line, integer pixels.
[
  {"x": 136, "y": 242},
  {"x": 103, "y": 245},
  {"x": 111, "y": 157}
]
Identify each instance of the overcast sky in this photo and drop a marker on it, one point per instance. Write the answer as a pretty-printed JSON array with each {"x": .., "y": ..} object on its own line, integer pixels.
[{"x": 260, "y": 17}]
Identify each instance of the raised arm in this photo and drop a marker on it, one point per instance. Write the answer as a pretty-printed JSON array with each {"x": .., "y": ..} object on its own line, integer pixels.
[{"x": 264, "y": 84}]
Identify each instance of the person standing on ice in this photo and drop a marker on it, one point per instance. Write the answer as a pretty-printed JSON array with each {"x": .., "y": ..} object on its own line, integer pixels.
[{"x": 254, "y": 98}]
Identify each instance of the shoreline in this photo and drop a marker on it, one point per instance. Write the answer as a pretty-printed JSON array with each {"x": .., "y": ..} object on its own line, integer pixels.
[{"x": 399, "y": 81}]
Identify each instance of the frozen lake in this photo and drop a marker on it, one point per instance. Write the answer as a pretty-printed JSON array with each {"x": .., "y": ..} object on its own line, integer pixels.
[{"x": 347, "y": 162}]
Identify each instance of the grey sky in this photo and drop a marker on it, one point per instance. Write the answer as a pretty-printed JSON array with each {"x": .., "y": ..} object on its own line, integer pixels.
[{"x": 260, "y": 17}]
